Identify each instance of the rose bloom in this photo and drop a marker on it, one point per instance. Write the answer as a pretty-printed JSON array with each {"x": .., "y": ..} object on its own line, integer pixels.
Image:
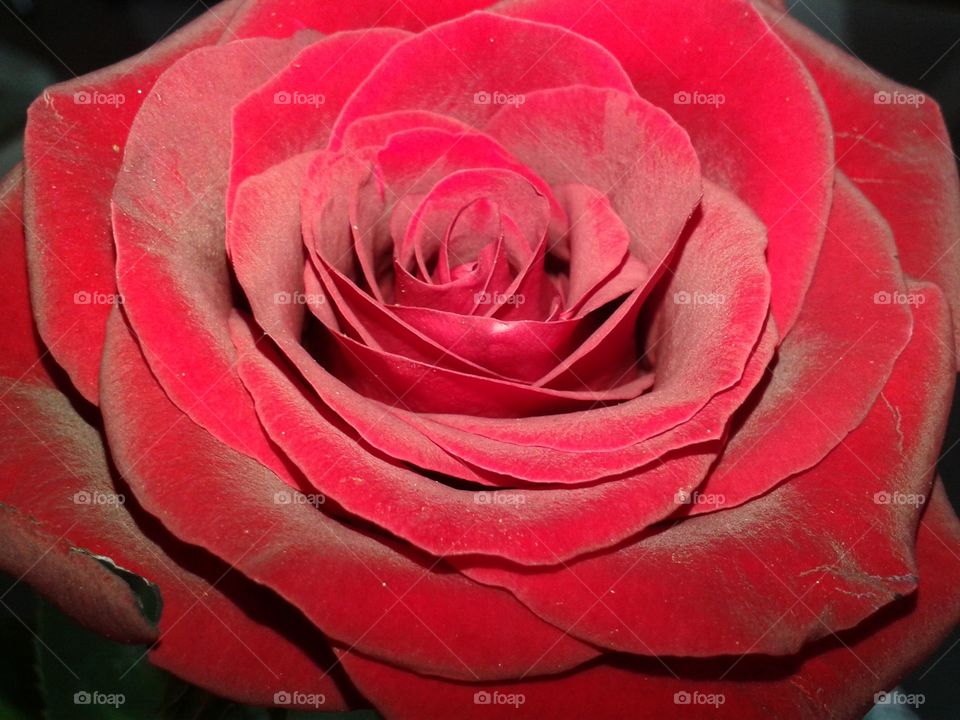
[{"x": 556, "y": 359}]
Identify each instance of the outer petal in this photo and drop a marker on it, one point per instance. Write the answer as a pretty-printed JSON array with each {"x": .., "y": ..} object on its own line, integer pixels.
[
  {"x": 61, "y": 510},
  {"x": 375, "y": 594},
  {"x": 76, "y": 134},
  {"x": 22, "y": 349},
  {"x": 815, "y": 556},
  {"x": 169, "y": 228},
  {"x": 216, "y": 629},
  {"x": 831, "y": 367},
  {"x": 835, "y": 679},
  {"x": 892, "y": 142}
]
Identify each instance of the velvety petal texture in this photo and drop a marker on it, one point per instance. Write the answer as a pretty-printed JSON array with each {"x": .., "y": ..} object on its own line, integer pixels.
[
  {"x": 74, "y": 146},
  {"x": 70, "y": 523},
  {"x": 890, "y": 141},
  {"x": 542, "y": 360}
]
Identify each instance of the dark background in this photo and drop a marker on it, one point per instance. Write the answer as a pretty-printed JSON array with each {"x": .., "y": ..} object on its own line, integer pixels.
[{"x": 916, "y": 43}]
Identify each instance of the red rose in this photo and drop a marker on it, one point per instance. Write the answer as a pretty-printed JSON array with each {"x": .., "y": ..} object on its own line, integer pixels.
[{"x": 565, "y": 360}]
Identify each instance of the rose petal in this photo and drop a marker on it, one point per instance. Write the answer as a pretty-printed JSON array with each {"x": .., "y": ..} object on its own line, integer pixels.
[
  {"x": 263, "y": 239},
  {"x": 481, "y": 54},
  {"x": 599, "y": 248},
  {"x": 838, "y": 678},
  {"x": 375, "y": 130},
  {"x": 382, "y": 429},
  {"x": 168, "y": 223},
  {"x": 22, "y": 350},
  {"x": 268, "y": 256},
  {"x": 620, "y": 145},
  {"x": 522, "y": 350},
  {"x": 294, "y": 110},
  {"x": 73, "y": 146},
  {"x": 636, "y": 155},
  {"x": 892, "y": 143},
  {"x": 677, "y": 59},
  {"x": 216, "y": 630},
  {"x": 722, "y": 260},
  {"x": 815, "y": 556},
  {"x": 349, "y": 197},
  {"x": 76, "y": 582},
  {"x": 440, "y": 208},
  {"x": 389, "y": 601},
  {"x": 423, "y": 387},
  {"x": 64, "y": 523},
  {"x": 514, "y": 463},
  {"x": 378, "y": 327},
  {"x": 526, "y": 526},
  {"x": 834, "y": 363},
  {"x": 282, "y": 18}
]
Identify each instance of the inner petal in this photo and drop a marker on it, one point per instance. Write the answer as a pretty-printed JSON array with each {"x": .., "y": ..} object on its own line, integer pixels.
[{"x": 427, "y": 242}]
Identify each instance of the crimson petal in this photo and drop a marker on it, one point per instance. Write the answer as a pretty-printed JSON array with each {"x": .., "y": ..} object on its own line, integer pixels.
[
  {"x": 734, "y": 91},
  {"x": 168, "y": 222},
  {"x": 73, "y": 146},
  {"x": 473, "y": 52},
  {"x": 841, "y": 546},
  {"x": 391, "y": 602},
  {"x": 66, "y": 519},
  {"x": 838, "y": 678},
  {"x": 294, "y": 110},
  {"x": 282, "y": 18},
  {"x": 832, "y": 365},
  {"x": 722, "y": 262},
  {"x": 892, "y": 143}
]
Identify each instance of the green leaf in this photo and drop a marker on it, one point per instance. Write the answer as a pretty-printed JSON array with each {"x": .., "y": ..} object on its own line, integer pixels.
[
  {"x": 84, "y": 676},
  {"x": 19, "y": 694},
  {"x": 50, "y": 662}
]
